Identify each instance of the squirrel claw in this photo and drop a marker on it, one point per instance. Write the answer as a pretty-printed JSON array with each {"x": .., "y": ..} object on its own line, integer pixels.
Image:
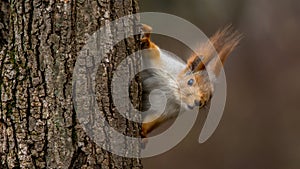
[{"x": 144, "y": 142}]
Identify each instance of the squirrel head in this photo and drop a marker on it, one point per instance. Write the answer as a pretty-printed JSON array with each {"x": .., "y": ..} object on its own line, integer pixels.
[
  {"x": 195, "y": 86},
  {"x": 195, "y": 89}
]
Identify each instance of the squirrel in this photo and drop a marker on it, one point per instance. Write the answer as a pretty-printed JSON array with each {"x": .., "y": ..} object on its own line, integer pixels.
[{"x": 185, "y": 85}]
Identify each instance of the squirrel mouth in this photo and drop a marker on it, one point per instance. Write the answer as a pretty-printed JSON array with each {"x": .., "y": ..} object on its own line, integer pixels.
[{"x": 190, "y": 107}]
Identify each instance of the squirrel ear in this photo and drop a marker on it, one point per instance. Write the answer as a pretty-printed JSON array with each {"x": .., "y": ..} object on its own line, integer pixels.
[
  {"x": 194, "y": 62},
  {"x": 223, "y": 42},
  {"x": 197, "y": 62}
]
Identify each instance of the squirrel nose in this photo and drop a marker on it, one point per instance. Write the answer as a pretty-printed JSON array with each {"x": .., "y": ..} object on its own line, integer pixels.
[{"x": 197, "y": 102}]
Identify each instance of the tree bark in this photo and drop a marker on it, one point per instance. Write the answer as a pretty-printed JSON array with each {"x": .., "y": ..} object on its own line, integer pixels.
[
  {"x": 38, "y": 123},
  {"x": 4, "y": 22}
]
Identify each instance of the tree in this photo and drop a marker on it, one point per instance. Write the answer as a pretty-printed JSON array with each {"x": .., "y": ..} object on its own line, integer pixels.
[
  {"x": 38, "y": 123},
  {"x": 4, "y": 11}
]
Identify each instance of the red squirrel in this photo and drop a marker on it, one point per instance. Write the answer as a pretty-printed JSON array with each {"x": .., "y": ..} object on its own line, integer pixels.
[{"x": 184, "y": 85}]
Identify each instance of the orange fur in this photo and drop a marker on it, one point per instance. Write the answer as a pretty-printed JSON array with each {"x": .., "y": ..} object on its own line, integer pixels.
[
  {"x": 146, "y": 43},
  {"x": 222, "y": 43}
]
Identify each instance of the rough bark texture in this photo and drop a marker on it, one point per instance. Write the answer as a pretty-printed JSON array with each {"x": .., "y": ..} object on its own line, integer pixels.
[
  {"x": 38, "y": 124},
  {"x": 4, "y": 20}
]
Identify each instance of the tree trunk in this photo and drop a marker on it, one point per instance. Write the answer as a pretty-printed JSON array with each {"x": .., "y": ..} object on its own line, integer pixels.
[
  {"x": 4, "y": 20},
  {"x": 38, "y": 122}
]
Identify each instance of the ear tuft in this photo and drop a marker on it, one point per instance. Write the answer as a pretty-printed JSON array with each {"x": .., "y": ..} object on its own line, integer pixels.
[{"x": 224, "y": 41}]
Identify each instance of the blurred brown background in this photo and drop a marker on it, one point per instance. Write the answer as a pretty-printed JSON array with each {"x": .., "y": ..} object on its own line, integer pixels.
[{"x": 260, "y": 128}]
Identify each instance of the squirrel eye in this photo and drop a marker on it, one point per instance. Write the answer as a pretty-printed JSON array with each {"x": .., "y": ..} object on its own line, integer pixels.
[{"x": 190, "y": 82}]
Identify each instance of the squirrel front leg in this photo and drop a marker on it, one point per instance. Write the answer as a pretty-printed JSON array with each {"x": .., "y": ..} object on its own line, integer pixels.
[{"x": 149, "y": 126}]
